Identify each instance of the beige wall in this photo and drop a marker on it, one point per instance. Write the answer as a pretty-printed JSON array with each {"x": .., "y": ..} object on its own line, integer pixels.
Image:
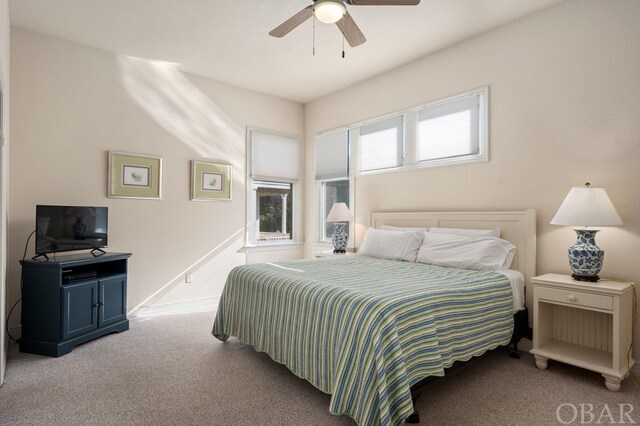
[
  {"x": 4, "y": 175},
  {"x": 73, "y": 104},
  {"x": 564, "y": 101}
]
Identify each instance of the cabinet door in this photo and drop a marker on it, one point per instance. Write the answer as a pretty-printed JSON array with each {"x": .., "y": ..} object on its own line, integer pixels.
[
  {"x": 113, "y": 300},
  {"x": 79, "y": 309}
]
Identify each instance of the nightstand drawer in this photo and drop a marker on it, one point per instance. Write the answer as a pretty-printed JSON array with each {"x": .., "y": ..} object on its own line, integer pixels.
[{"x": 577, "y": 298}]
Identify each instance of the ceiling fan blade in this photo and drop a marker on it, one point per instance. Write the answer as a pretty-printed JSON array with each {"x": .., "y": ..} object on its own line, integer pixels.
[
  {"x": 351, "y": 31},
  {"x": 287, "y": 26},
  {"x": 383, "y": 2}
]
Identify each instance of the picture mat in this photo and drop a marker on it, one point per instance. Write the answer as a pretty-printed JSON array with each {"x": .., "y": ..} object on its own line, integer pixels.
[
  {"x": 117, "y": 161},
  {"x": 203, "y": 191}
]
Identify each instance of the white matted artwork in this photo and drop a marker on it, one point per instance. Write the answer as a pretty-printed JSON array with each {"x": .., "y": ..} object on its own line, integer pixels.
[
  {"x": 134, "y": 175},
  {"x": 210, "y": 181}
]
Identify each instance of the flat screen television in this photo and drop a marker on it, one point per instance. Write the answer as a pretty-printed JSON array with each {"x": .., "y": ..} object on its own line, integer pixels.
[{"x": 68, "y": 228}]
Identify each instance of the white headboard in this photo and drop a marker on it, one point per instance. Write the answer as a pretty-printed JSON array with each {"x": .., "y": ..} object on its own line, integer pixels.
[{"x": 519, "y": 228}]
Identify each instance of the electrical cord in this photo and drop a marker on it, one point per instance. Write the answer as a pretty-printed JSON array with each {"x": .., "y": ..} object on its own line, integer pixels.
[{"x": 24, "y": 255}]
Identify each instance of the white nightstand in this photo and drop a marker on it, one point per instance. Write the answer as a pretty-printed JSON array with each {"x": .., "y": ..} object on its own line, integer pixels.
[
  {"x": 585, "y": 324},
  {"x": 325, "y": 253}
]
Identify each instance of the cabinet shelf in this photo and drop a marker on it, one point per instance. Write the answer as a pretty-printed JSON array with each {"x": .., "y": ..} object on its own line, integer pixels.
[{"x": 578, "y": 355}]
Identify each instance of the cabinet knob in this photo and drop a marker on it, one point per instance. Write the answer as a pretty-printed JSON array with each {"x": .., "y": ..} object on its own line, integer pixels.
[
  {"x": 572, "y": 298},
  {"x": 95, "y": 305}
]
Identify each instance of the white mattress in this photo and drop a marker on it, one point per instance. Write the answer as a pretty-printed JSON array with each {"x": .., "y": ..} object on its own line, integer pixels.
[{"x": 517, "y": 286}]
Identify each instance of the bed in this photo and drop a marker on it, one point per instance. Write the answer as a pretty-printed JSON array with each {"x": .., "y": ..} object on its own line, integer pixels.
[{"x": 365, "y": 330}]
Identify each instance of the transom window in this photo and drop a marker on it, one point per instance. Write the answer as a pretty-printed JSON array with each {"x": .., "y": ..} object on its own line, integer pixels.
[
  {"x": 381, "y": 144},
  {"x": 449, "y": 129}
]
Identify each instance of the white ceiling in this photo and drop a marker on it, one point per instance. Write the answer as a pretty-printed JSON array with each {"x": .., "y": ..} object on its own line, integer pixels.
[{"x": 227, "y": 40}]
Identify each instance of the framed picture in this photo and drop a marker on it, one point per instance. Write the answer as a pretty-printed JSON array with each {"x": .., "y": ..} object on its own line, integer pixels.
[
  {"x": 210, "y": 181},
  {"x": 135, "y": 175}
]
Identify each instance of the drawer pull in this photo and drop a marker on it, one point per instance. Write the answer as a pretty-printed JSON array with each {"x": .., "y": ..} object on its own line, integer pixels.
[{"x": 572, "y": 298}]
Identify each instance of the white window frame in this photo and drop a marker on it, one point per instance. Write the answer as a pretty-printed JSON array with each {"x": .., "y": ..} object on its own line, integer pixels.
[
  {"x": 410, "y": 139},
  {"x": 319, "y": 193},
  {"x": 483, "y": 131},
  {"x": 320, "y": 200},
  {"x": 251, "y": 240},
  {"x": 273, "y": 184},
  {"x": 402, "y": 150},
  {"x": 410, "y": 151}
]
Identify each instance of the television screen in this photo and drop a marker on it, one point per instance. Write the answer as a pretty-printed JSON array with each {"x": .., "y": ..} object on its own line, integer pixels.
[{"x": 67, "y": 228}]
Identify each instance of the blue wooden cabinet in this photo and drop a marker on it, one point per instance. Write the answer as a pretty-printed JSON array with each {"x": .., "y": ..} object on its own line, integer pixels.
[{"x": 72, "y": 300}]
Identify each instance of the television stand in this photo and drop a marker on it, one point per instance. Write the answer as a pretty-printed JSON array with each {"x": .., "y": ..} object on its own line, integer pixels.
[{"x": 72, "y": 300}]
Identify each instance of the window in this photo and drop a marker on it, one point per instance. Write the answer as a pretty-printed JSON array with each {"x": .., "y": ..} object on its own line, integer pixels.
[
  {"x": 381, "y": 144},
  {"x": 336, "y": 191},
  {"x": 452, "y": 130},
  {"x": 273, "y": 168},
  {"x": 332, "y": 176},
  {"x": 273, "y": 218},
  {"x": 449, "y": 129}
]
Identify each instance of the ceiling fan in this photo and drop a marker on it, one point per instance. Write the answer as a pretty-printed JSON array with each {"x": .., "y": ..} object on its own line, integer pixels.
[{"x": 335, "y": 11}]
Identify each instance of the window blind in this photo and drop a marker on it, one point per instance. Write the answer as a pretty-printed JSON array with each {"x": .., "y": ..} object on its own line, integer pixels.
[
  {"x": 381, "y": 144},
  {"x": 332, "y": 155},
  {"x": 274, "y": 156},
  {"x": 449, "y": 129}
]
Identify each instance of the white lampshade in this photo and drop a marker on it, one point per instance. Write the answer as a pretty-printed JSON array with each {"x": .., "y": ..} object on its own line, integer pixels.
[
  {"x": 329, "y": 11},
  {"x": 587, "y": 206},
  {"x": 339, "y": 213}
]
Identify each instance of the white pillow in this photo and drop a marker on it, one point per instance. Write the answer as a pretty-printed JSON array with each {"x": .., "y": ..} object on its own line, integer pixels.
[
  {"x": 458, "y": 251},
  {"x": 467, "y": 232},
  {"x": 401, "y": 228},
  {"x": 391, "y": 245}
]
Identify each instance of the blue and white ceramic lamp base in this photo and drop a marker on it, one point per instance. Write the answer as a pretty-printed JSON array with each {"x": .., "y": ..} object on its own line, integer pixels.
[
  {"x": 340, "y": 238},
  {"x": 585, "y": 257}
]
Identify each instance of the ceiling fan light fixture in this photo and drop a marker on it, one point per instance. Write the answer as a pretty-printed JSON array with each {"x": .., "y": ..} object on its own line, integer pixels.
[{"x": 329, "y": 11}]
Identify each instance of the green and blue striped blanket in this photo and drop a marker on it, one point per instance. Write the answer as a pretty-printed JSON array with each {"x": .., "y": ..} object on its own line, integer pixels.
[{"x": 362, "y": 329}]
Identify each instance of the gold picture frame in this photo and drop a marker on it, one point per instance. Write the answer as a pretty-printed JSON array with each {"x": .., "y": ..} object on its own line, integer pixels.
[
  {"x": 210, "y": 181},
  {"x": 135, "y": 175}
]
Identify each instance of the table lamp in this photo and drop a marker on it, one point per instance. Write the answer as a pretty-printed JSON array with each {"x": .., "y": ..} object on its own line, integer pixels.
[
  {"x": 341, "y": 215},
  {"x": 585, "y": 207}
]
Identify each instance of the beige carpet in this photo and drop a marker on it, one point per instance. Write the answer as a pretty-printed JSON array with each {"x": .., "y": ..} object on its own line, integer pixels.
[{"x": 170, "y": 370}]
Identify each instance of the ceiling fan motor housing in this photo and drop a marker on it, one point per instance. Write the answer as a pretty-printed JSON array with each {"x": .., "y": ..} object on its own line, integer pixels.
[{"x": 329, "y": 11}]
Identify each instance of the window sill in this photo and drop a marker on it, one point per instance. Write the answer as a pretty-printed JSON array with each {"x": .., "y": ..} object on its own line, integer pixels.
[
  {"x": 289, "y": 245},
  {"x": 323, "y": 245}
]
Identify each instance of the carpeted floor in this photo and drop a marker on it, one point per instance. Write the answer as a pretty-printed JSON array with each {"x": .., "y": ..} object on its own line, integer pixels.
[{"x": 170, "y": 370}]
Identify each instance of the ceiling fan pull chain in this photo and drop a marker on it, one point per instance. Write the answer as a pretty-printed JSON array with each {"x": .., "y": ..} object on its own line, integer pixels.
[
  {"x": 343, "y": 46},
  {"x": 314, "y": 36}
]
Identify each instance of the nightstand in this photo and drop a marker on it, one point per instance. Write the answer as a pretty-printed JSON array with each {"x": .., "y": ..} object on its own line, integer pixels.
[
  {"x": 325, "y": 253},
  {"x": 585, "y": 324}
]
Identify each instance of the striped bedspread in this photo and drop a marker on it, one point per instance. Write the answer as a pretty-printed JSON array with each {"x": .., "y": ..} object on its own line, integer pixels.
[{"x": 362, "y": 329}]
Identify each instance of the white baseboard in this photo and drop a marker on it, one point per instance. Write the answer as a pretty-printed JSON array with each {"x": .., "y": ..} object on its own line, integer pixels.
[{"x": 208, "y": 304}]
